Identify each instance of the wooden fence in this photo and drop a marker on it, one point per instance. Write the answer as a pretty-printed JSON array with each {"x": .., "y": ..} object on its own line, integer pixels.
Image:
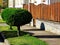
[{"x": 44, "y": 12}]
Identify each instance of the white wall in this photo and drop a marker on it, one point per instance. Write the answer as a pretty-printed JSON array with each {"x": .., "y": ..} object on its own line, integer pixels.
[
  {"x": 18, "y": 4},
  {"x": 26, "y": 1},
  {"x": 40, "y": 1},
  {"x": 49, "y": 26},
  {"x": 46, "y": 2},
  {"x": 10, "y": 3}
]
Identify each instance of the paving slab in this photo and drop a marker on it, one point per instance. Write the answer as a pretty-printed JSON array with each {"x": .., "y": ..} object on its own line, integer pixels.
[
  {"x": 51, "y": 41},
  {"x": 1, "y": 43},
  {"x": 5, "y": 42}
]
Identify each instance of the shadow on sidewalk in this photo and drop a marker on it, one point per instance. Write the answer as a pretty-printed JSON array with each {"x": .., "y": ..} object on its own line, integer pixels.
[
  {"x": 33, "y": 30},
  {"x": 42, "y": 28},
  {"x": 11, "y": 34},
  {"x": 47, "y": 36}
]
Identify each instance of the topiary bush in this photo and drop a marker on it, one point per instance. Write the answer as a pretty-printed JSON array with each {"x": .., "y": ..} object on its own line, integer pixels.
[
  {"x": 7, "y": 13},
  {"x": 17, "y": 17},
  {"x": 21, "y": 17}
]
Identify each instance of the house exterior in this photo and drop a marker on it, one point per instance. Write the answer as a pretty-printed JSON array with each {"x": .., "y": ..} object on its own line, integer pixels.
[
  {"x": 15, "y": 3},
  {"x": 19, "y": 3},
  {"x": 44, "y": 1}
]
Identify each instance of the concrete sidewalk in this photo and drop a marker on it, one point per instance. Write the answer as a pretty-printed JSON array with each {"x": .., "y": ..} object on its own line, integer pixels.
[
  {"x": 51, "y": 41},
  {"x": 5, "y": 42},
  {"x": 37, "y": 32}
]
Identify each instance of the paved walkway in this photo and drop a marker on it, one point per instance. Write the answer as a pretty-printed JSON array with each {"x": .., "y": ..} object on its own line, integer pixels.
[
  {"x": 50, "y": 38},
  {"x": 5, "y": 42},
  {"x": 43, "y": 35}
]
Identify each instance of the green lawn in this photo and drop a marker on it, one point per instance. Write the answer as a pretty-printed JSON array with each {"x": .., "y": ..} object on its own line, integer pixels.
[
  {"x": 6, "y": 28},
  {"x": 1, "y": 21},
  {"x": 24, "y": 39}
]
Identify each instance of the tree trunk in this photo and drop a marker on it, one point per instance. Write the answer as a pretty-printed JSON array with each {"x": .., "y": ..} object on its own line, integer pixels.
[
  {"x": 18, "y": 32},
  {"x": 11, "y": 27}
]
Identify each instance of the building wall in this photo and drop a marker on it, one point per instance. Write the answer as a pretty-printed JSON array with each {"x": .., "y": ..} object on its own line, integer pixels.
[
  {"x": 10, "y": 3},
  {"x": 17, "y": 3},
  {"x": 40, "y": 1},
  {"x": 36, "y": 2},
  {"x": 49, "y": 26},
  {"x": 25, "y": 1},
  {"x": 46, "y": 1}
]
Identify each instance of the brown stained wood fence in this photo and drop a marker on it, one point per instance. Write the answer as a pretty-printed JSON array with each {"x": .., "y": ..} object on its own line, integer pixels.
[
  {"x": 25, "y": 6},
  {"x": 45, "y": 12}
]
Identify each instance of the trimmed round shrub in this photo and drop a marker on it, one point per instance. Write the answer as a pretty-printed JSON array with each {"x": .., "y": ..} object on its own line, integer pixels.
[
  {"x": 21, "y": 17},
  {"x": 16, "y": 17},
  {"x": 7, "y": 13}
]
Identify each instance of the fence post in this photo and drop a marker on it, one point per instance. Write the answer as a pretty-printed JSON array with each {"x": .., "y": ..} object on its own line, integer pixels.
[{"x": 34, "y": 22}]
